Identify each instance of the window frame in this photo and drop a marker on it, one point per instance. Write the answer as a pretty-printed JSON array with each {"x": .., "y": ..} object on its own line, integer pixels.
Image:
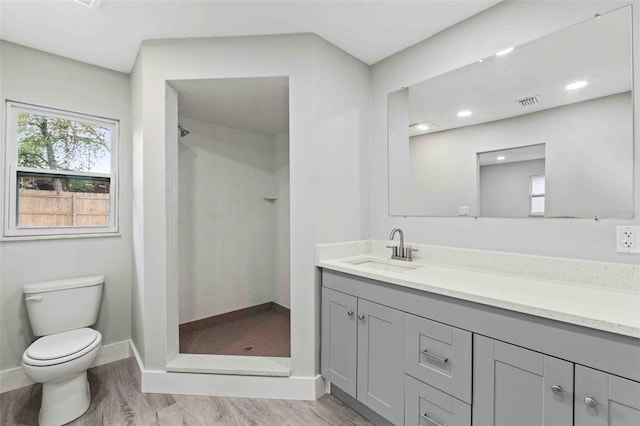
[
  {"x": 11, "y": 169},
  {"x": 533, "y": 195}
]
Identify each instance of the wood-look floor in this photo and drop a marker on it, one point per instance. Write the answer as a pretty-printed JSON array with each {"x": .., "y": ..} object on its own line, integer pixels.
[{"x": 116, "y": 400}]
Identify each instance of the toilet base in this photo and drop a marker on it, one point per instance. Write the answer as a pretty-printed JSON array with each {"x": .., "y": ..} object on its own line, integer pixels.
[{"x": 64, "y": 401}]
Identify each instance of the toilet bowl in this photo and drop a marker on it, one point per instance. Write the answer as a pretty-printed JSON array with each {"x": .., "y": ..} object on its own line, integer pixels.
[
  {"x": 60, "y": 363},
  {"x": 61, "y": 311}
]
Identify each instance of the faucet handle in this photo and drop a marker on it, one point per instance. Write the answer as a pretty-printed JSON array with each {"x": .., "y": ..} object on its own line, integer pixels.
[
  {"x": 409, "y": 252},
  {"x": 395, "y": 250}
]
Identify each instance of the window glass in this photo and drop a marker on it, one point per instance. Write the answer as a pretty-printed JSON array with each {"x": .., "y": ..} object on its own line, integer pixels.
[
  {"x": 81, "y": 201},
  {"x": 47, "y": 142}
]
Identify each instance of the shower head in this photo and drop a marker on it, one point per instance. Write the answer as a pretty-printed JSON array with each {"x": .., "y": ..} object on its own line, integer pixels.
[{"x": 183, "y": 132}]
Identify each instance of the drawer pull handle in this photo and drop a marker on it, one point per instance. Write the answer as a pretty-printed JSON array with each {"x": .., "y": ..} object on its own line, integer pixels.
[
  {"x": 431, "y": 421},
  {"x": 434, "y": 357},
  {"x": 557, "y": 389},
  {"x": 349, "y": 313},
  {"x": 590, "y": 402}
]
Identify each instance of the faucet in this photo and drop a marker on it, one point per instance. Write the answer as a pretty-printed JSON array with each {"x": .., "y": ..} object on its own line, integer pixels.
[{"x": 400, "y": 252}]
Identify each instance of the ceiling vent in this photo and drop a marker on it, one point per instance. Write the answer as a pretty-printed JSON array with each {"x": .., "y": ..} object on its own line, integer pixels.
[{"x": 531, "y": 100}]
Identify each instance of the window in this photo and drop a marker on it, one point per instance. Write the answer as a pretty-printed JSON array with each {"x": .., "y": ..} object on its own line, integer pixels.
[
  {"x": 60, "y": 172},
  {"x": 536, "y": 205}
]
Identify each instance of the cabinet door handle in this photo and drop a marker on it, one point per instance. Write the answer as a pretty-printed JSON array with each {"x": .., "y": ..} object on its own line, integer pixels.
[
  {"x": 34, "y": 299},
  {"x": 349, "y": 312},
  {"x": 590, "y": 402},
  {"x": 361, "y": 316},
  {"x": 557, "y": 389},
  {"x": 431, "y": 421},
  {"x": 434, "y": 357}
]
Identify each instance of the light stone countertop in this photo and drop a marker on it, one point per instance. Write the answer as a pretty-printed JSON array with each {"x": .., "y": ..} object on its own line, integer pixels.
[{"x": 597, "y": 305}]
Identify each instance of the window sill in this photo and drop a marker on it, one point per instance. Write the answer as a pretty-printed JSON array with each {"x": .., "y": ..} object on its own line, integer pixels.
[{"x": 60, "y": 237}]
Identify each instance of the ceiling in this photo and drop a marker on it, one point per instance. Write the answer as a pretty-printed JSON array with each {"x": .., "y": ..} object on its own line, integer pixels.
[
  {"x": 259, "y": 105},
  {"x": 598, "y": 51},
  {"x": 109, "y": 35},
  {"x": 512, "y": 155}
]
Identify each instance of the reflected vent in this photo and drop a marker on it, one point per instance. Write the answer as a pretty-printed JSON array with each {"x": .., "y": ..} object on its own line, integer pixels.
[{"x": 531, "y": 100}]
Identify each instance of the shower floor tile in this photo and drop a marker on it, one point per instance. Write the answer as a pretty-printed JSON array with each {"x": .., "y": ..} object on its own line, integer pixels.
[{"x": 262, "y": 330}]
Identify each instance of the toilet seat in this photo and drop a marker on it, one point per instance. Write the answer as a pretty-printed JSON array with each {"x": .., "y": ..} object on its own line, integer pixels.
[{"x": 61, "y": 347}]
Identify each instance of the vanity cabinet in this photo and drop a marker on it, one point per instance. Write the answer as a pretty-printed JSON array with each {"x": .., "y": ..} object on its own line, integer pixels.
[
  {"x": 418, "y": 358},
  {"x": 516, "y": 386},
  {"x": 362, "y": 352}
]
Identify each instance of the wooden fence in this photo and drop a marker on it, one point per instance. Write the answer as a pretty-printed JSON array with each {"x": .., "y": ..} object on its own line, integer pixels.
[{"x": 51, "y": 208}]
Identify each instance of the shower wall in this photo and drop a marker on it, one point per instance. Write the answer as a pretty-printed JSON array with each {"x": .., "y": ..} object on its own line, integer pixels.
[{"x": 233, "y": 244}]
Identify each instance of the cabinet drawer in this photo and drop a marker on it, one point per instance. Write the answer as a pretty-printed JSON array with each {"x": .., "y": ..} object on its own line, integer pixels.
[
  {"x": 439, "y": 355},
  {"x": 426, "y": 405}
]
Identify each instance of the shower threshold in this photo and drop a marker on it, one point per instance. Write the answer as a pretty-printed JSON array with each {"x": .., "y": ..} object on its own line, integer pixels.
[{"x": 231, "y": 364}]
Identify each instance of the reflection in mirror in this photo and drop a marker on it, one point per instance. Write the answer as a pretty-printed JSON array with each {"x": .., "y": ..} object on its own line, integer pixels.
[
  {"x": 568, "y": 93},
  {"x": 512, "y": 182}
]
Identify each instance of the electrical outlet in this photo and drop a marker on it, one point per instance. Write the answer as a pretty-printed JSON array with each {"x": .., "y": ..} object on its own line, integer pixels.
[{"x": 628, "y": 239}]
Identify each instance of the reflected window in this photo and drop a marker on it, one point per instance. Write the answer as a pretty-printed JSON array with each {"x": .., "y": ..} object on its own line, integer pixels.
[{"x": 537, "y": 196}]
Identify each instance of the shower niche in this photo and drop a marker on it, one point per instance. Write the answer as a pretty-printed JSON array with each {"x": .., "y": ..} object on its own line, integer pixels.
[{"x": 233, "y": 216}]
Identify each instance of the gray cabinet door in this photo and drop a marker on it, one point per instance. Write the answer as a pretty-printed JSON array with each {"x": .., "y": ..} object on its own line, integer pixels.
[
  {"x": 605, "y": 400},
  {"x": 339, "y": 328},
  {"x": 513, "y": 386},
  {"x": 380, "y": 360}
]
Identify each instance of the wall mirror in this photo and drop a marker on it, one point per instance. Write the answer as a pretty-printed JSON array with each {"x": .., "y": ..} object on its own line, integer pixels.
[{"x": 544, "y": 129}]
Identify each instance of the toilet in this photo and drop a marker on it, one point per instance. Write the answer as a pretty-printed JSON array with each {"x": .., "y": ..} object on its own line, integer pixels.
[{"x": 61, "y": 312}]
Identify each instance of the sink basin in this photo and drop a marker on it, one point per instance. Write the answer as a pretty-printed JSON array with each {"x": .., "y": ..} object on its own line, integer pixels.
[{"x": 383, "y": 265}]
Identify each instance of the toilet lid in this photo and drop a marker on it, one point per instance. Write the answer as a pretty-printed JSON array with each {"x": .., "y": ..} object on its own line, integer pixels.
[{"x": 61, "y": 344}]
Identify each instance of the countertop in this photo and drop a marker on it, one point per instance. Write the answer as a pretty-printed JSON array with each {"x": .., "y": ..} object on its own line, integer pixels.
[{"x": 608, "y": 308}]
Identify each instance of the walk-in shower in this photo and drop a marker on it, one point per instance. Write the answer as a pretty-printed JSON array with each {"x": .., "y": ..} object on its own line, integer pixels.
[{"x": 233, "y": 216}]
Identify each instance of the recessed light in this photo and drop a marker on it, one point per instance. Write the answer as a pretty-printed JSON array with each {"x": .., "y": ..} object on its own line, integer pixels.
[
  {"x": 576, "y": 85},
  {"x": 500, "y": 158},
  {"x": 464, "y": 113},
  {"x": 505, "y": 51}
]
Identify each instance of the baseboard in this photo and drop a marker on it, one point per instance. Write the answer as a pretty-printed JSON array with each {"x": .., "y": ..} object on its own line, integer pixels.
[{"x": 14, "y": 378}]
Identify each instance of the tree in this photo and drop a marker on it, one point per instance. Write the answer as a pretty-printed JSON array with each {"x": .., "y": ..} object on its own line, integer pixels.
[{"x": 46, "y": 142}]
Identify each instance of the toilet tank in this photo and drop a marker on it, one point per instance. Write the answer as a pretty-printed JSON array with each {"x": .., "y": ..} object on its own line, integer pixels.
[{"x": 63, "y": 305}]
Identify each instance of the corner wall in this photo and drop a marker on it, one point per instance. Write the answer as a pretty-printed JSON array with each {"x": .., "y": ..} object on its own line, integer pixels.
[
  {"x": 329, "y": 175},
  {"x": 505, "y": 24},
  {"x": 40, "y": 78}
]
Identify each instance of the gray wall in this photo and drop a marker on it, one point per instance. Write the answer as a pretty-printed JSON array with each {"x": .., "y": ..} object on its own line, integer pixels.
[
  {"x": 40, "y": 78},
  {"x": 506, "y": 24},
  {"x": 505, "y": 188}
]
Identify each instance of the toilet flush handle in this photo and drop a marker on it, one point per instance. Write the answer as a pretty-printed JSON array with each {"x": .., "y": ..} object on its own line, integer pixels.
[{"x": 34, "y": 298}]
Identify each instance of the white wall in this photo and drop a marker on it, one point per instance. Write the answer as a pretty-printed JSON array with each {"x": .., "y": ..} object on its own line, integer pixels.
[
  {"x": 504, "y": 189},
  {"x": 329, "y": 139},
  {"x": 282, "y": 265},
  {"x": 40, "y": 78},
  {"x": 507, "y": 23},
  {"x": 227, "y": 232}
]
